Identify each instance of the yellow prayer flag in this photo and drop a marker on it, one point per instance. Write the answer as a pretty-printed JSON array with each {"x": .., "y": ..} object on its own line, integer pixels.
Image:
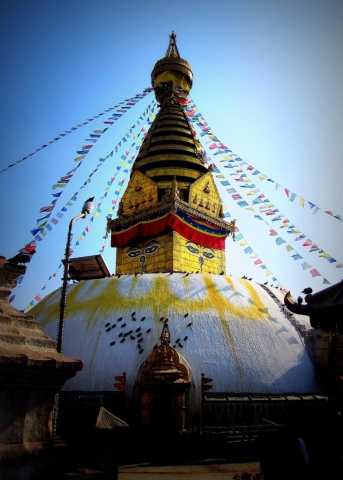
[
  {"x": 324, "y": 255},
  {"x": 96, "y": 214},
  {"x": 289, "y": 248},
  {"x": 78, "y": 159},
  {"x": 301, "y": 202},
  {"x": 262, "y": 176},
  {"x": 268, "y": 273},
  {"x": 243, "y": 242}
]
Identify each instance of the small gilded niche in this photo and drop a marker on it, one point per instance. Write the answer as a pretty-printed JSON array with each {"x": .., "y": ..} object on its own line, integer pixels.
[
  {"x": 195, "y": 199},
  {"x": 139, "y": 191},
  {"x": 207, "y": 188},
  {"x": 204, "y": 190},
  {"x": 137, "y": 186}
]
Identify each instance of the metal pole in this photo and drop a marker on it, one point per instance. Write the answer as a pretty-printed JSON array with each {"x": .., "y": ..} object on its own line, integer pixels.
[
  {"x": 65, "y": 279},
  {"x": 86, "y": 209}
]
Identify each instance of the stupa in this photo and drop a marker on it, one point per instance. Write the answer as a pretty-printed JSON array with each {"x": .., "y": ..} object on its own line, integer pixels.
[{"x": 170, "y": 341}]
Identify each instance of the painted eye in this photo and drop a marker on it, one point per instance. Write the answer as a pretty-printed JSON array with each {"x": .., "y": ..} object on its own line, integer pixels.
[
  {"x": 133, "y": 253},
  {"x": 208, "y": 254},
  {"x": 151, "y": 248},
  {"x": 193, "y": 249}
]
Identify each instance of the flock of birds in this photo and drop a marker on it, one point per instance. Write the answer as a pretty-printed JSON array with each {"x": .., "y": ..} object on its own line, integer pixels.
[{"x": 132, "y": 333}]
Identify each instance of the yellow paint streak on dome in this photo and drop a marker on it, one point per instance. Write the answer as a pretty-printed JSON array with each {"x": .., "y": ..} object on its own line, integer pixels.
[
  {"x": 156, "y": 296},
  {"x": 254, "y": 296},
  {"x": 220, "y": 304}
]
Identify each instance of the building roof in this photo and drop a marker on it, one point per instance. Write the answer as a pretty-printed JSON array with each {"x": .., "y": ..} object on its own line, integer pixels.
[{"x": 325, "y": 308}]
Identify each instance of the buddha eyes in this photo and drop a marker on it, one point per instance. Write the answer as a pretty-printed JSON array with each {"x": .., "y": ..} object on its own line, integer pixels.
[
  {"x": 193, "y": 249},
  {"x": 133, "y": 253},
  {"x": 136, "y": 251},
  {"x": 196, "y": 251},
  {"x": 151, "y": 248}
]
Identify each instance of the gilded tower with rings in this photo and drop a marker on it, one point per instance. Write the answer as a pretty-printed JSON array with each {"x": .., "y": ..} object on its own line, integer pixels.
[{"x": 170, "y": 217}]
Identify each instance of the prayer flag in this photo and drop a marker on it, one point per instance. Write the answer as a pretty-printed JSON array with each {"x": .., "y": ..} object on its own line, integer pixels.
[
  {"x": 47, "y": 209},
  {"x": 315, "y": 273},
  {"x": 305, "y": 266}
]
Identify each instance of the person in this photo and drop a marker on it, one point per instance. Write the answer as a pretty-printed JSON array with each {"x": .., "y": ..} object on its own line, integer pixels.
[{"x": 285, "y": 457}]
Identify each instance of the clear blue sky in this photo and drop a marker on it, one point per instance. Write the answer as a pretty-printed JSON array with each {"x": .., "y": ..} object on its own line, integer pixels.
[{"x": 267, "y": 79}]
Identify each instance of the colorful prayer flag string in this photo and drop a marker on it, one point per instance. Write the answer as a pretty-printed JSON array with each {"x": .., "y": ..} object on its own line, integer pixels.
[
  {"x": 221, "y": 149},
  {"x": 128, "y": 103}
]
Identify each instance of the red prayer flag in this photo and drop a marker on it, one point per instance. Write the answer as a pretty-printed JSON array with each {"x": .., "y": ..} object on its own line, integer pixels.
[{"x": 47, "y": 209}]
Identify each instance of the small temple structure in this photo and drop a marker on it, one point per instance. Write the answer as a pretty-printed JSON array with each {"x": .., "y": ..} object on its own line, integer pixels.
[
  {"x": 32, "y": 373},
  {"x": 325, "y": 310}
]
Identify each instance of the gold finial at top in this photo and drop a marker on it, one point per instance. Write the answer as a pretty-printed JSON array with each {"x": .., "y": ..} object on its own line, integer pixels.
[{"x": 172, "y": 50}]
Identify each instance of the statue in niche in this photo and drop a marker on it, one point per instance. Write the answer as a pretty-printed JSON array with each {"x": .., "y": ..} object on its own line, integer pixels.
[
  {"x": 137, "y": 186},
  {"x": 120, "y": 208},
  {"x": 207, "y": 188},
  {"x": 195, "y": 199},
  {"x": 201, "y": 204},
  {"x": 208, "y": 206},
  {"x": 167, "y": 194}
]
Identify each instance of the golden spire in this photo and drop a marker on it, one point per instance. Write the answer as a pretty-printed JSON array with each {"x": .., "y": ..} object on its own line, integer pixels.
[
  {"x": 172, "y": 50},
  {"x": 170, "y": 215}
]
